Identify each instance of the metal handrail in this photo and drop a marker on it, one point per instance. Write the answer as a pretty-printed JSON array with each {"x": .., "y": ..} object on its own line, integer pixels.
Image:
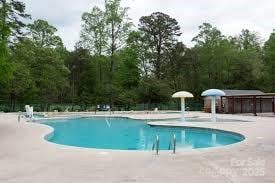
[
  {"x": 173, "y": 143},
  {"x": 156, "y": 145},
  {"x": 19, "y": 116}
]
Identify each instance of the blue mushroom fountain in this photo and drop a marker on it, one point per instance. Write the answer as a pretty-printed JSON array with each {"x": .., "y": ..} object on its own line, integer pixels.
[{"x": 213, "y": 93}]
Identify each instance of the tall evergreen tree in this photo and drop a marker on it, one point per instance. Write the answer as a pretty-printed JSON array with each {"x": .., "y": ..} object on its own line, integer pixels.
[
  {"x": 160, "y": 32},
  {"x": 11, "y": 14}
]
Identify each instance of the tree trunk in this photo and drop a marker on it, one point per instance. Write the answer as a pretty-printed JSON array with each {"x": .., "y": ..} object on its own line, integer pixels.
[
  {"x": 4, "y": 35},
  {"x": 11, "y": 102},
  {"x": 158, "y": 63},
  {"x": 112, "y": 66},
  {"x": 100, "y": 72}
]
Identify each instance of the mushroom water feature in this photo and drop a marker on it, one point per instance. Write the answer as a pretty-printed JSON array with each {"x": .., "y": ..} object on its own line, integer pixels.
[
  {"x": 213, "y": 93},
  {"x": 182, "y": 95}
]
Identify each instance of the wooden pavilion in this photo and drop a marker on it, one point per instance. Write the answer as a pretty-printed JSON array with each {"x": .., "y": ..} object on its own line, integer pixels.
[{"x": 243, "y": 101}]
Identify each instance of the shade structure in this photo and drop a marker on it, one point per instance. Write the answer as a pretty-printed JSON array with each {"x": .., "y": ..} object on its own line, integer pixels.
[
  {"x": 182, "y": 95},
  {"x": 213, "y": 93}
]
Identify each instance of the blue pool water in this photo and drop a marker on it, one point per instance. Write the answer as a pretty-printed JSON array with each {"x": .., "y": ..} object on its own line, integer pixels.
[
  {"x": 38, "y": 116},
  {"x": 128, "y": 134}
]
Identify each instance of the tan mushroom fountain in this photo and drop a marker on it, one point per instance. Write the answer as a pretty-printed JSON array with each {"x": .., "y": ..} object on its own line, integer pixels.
[{"x": 182, "y": 95}]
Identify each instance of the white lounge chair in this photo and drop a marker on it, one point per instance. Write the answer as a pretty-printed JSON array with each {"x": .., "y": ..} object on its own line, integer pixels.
[{"x": 29, "y": 111}]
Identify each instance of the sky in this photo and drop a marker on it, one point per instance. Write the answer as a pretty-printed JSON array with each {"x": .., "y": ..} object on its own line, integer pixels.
[{"x": 229, "y": 16}]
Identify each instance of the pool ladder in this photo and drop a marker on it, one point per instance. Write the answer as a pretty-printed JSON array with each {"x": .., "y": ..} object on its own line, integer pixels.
[
  {"x": 172, "y": 144},
  {"x": 156, "y": 145}
]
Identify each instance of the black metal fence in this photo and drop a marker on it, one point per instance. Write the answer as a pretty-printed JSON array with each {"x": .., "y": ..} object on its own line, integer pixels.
[{"x": 44, "y": 107}]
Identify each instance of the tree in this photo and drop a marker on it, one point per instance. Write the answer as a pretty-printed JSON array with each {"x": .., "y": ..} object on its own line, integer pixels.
[
  {"x": 269, "y": 58},
  {"x": 248, "y": 40},
  {"x": 19, "y": 84},
  {"x": 192, "y": 72},
  {"x": 248, "y": 67},
  {"x": 43, "y": 59},
  {"x": 127, "y": 77},
  {"x": 118, "y": 27},
  {"x": 153, "y": 91},
  {"x": 233, "y": 63},
  {"x": 50, "y": 74},
  {"x": 23, "y": 58},
  {"x": 176, "y": 67},
  {"x": 44, "y": 35},
  {"x": 160, "y": 32},
  {"x": 83, "y": 76},
  {"x": 214, "y": 56},
  {"x": 12, "y": 13},
  {"x": 46, "y": 69},
  {"x": 136, "y": 42},
  {"x": 208, "y": 35},
  {"x": 93, "y": 34}
]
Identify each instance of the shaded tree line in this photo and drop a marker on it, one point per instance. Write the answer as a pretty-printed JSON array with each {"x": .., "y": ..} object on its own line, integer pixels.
[{"x": 118, "y": 64}]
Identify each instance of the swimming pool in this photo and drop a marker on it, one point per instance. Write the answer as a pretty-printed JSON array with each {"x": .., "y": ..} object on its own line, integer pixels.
[
  {"x": 129, "y": 134},
  {"x": 200, "y": 119},
  {"x": 38, "y": 116}
]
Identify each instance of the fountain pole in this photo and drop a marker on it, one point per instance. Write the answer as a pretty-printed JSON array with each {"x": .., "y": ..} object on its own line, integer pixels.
[
  {"x": 213, "y": 108},
  {"x": 182, "y": 109},
  {"x": 213, "y": 93},
  {"x": 182, "y": 95}
]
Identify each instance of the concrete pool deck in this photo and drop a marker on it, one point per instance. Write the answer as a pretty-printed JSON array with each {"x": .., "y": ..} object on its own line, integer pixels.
[{"x": 26, "y": 157}]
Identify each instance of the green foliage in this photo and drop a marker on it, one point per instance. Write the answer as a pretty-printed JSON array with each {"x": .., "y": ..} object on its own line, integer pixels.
[
  {"x": 269, "y": 53},
  {"x": 228, "y": 63},
  {"x": 114, "y": 64},
  {"x": 39, "y": 72},
  {"x": 43, "y": 34},
  {"x": 127, "y": 76},
  {"x": 136, "y": 42},
  {"x": 11, "y": 15},
  {"x": 248, "y": 40},
  {"x": 153, "y": 91},
  {"x": 93, "y": 35},
  {"x": 83, "y": 76},
  {"x": 118, "y": 25}
]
